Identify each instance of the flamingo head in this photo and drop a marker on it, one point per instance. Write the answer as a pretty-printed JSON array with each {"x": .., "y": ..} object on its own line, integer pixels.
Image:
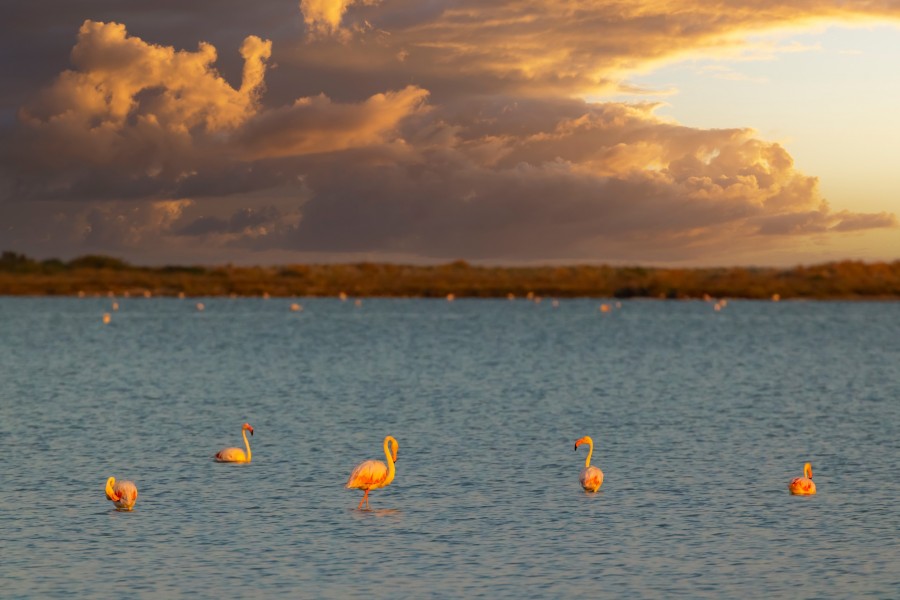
[
  {"x": 807, "y": 471},
  {"x": 110, "y": 494},
  {"x": 395, "y": 446},
  {"x": 584, "y": 440},
  {"x": 247, "y": 427}
]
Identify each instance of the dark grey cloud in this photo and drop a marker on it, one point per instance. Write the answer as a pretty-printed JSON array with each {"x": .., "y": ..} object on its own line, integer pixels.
[{"x": 418, "y": 129}]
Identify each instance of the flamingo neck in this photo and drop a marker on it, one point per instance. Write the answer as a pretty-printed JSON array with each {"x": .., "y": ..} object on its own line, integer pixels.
[
  {"x": 110, "y": 492},
  {"x": 246, "y": 443},
  {"x": 390, "y": 460},
  {"x": 587, "y": 461}
]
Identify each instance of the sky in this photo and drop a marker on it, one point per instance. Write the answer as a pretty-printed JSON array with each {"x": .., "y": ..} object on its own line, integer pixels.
[{"x": 671, "y": 133}]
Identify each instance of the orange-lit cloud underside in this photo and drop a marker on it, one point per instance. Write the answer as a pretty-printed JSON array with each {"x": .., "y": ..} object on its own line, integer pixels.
[{"x": 485, "y": 151}]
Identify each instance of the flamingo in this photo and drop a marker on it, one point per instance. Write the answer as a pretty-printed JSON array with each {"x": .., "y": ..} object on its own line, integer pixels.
[
  {"x": 123, "y": 494},
  {"x": 373, "y": 474},
  {"x": 591, "y": 478},
  {"x": 803, "y": 486},
  {"x": 236, "y": 454}
]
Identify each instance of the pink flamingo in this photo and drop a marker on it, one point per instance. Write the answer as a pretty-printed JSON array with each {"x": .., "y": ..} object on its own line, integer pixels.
[
  {"x": 123, "y": 494},
  {"x": 591, "y": 478},
  {"x": 373, "y": 474},
  {"x": 803, "y": 486},
  {"x": 236, "y": 454}
]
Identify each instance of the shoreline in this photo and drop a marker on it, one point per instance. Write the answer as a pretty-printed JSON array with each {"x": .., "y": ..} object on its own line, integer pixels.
[{"x": 104, "y": 276}]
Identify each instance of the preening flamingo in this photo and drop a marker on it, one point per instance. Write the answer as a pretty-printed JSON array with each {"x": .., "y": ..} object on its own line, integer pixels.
[
  {"x": 236, "y": 454},
  {"x": 591, "y": 478},
  {"x": 803, "y": 486},
  {"x": 373, "y": 474},
  {"x": 123, "y": 494}
]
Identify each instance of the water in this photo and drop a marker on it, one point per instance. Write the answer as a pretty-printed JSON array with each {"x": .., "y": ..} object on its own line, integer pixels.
[{"x": 700, "y": 419}]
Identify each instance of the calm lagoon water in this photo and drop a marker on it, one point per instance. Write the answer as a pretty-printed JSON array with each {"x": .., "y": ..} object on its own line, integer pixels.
[{"x": 700, "y": 419}]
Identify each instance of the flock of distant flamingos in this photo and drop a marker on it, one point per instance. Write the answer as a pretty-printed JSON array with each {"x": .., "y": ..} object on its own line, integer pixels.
[{"x": 373, "y": 474}]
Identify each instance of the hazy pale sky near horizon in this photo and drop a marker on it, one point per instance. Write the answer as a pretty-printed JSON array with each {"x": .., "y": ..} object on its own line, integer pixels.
[{"x": 681, "y": 133}]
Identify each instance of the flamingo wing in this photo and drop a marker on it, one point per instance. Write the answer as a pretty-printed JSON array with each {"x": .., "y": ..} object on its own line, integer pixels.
[
  {"x": 127, "y": 490},
  {"x": 126, "y": 494},
  {"x": 231, "y": 455},
  {"x": 367, "y": 475},
  {"x": 591, "y": 478},
  {"x": 802, "y": 486}
]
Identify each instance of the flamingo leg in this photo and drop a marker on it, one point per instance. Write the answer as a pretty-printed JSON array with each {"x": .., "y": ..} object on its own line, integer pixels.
[{"x": 365, "y": 499}]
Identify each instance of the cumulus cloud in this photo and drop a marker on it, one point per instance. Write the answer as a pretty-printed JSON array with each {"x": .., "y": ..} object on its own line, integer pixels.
[
  {"x": 585, "y": 181},
  {"x": 131, "y": 114},
  {"x": 112, "y": 69},
  {"x": 438, "y": 130},
  {"x": 138, "y": 120},
  {"x": 313, "y": 125},
  {"x": 324, "y": 16}
]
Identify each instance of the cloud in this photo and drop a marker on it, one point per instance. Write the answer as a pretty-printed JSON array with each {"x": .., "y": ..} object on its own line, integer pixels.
[
  {"x": 314, "y": 125},
  {"x": 249, "y": 221},
  {"x": 585, "y": 181},
  {"x": 182, "y": 89},
  {"x": 132, "y": 114},
  {"x": 436, "y": 130},
  {"x": 557, "y": 46},
  {"x": 119, "y": 226},
  {"x": 324, "y": 16},
  {"x": 139, "y": 120}
]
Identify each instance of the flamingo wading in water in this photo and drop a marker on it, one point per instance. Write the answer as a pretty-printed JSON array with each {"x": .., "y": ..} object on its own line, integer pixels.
[
  {"x": 123, "y": 493},
  {"x": 236, "y": 454},
  {"x": 591, "y": 478},
  {"x": 373, "y": 474},
  {"x": 803, "y": 486}
]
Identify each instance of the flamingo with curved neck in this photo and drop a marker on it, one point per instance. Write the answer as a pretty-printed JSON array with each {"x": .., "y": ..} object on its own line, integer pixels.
[
  {"x": 803, "y": 486},
  {"x": 123, "y": 493},
  {"x": 236, "y": 454},
  {"x": 591, "y": 478},
  {"x": 373, "y": 474}
]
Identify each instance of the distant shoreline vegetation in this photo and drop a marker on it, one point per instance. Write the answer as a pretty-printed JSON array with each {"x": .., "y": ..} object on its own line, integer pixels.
[{"x": 103, "y": 275}]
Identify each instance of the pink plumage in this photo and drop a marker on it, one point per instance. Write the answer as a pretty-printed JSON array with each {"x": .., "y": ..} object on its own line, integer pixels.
[
  {"x": 591, "y": 477},
  {"x": 373, "y": 474},
  {"x": 803, "y": 486}
]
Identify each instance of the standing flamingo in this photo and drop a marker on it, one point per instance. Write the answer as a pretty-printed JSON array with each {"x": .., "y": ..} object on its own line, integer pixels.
[
  {"x": 591, "y": 478},
  {"x": 123, "y": 494},
  {"x": 236, "y": 454},
  {"x": 803, "y": 486},
  {"x": 373, "y": 474}
]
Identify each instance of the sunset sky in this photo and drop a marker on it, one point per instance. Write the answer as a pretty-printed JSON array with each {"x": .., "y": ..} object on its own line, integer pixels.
[{"x": 688, "y": 133}]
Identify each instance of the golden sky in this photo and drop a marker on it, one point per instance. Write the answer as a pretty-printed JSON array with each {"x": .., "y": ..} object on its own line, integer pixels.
[{"x": 503, "y": 132}]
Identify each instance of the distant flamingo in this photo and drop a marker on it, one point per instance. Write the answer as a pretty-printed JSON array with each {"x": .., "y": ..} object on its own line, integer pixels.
[
  {"x": 803, "y": 486},
  {"x": 123, "y": 494},
  {"x": 236, "y": 454},
  {"x": 373, "y": 474},
  {"x": 591, "y": 478}
]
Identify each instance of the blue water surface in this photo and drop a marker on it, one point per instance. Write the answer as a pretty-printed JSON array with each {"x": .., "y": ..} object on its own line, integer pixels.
[{"x": 700, "y": 419}]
